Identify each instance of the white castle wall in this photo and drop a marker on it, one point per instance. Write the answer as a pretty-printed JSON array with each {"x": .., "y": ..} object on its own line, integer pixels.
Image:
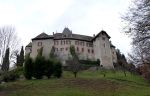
[
  {"x": 46, "y": 44},
  {"x": 103, "y": 51}
]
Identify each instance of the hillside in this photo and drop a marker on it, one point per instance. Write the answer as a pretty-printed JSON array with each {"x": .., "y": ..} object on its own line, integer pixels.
[{"x": 87, "y": 83}]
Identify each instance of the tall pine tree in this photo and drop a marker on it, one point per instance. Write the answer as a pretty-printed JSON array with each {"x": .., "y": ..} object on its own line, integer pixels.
[
  {"x": 5, "y": 64},
  {"x": 20, "y": 58}
]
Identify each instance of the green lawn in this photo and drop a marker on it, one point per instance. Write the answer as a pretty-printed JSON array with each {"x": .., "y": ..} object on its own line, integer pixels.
[{"x": 88, "y": 83}]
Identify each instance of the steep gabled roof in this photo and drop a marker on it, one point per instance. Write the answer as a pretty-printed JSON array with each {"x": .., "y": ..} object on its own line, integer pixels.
[
  {"x": 101, "y": 32},
  {"x": 42, "y": 36},
  {"x": 29, "y": 45},
  {"x": 72, "y": 36}
]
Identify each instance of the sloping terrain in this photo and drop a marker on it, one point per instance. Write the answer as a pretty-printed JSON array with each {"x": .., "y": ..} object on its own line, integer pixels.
[{"x": 86, "y": 84}]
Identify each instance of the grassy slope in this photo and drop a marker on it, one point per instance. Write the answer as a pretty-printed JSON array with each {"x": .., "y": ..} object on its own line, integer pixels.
[{"x": 87, "y": 84}]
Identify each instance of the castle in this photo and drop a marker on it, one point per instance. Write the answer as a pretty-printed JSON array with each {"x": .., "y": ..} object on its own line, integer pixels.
[{"x": 87, "y": 47}]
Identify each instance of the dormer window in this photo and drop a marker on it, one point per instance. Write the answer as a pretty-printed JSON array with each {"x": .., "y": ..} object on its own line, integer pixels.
[{"x": 39, "y": 44}]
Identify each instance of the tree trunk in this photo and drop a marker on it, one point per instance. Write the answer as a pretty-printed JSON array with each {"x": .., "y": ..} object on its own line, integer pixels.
[{"x": 75, "y": 74}]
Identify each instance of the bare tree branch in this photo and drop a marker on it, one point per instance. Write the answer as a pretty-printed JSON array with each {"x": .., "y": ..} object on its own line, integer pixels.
[{"x": 8, "y": 39}]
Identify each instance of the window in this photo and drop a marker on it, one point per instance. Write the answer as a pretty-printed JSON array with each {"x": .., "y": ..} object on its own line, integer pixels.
[
  {"x": 76, "y": 42},
  {"x": 66, "y": 48},
  {"x": 39, "y": 43},
  {"x": 113, "y": 52},
  {"x": 90, "y": 45},
  {"x": 88, "y": 50},
  {"x": 69, "y": 42},
  {"x": 61, "y": 49},
  {"x": 64, "y": 42},
  {"x": 77, "y": 49},
  {"x": 82, "y": 49},
  {"x": 83, "y": 43},
  {"x": 92, "y": 51}
]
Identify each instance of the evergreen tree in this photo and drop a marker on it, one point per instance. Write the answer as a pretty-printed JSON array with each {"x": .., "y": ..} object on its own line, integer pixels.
[
  {"x": 39, "y": 65},
  {"x": 48, "y": 68},
  {"x": 28, "y": 67},
  {"x": 57, "y": 69},
  {"x": 20, "y": 58},
  {"x": 5, "y": 64}
]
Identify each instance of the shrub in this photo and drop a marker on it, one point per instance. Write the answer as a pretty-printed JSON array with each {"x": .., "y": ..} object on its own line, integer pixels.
[
  {"x": 28, "y": 68},
  {"x": 19, "y": 70},
  {"x": 89, "y": 62},
  {"x": 57, "y": 69},
  {"x": 48, "y": 68},
  {"x": 39, "y": 67},
  {"x": 9, "y": 76}
]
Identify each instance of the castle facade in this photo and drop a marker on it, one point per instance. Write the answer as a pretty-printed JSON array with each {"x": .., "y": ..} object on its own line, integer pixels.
[{"x": 87, "y": 47}]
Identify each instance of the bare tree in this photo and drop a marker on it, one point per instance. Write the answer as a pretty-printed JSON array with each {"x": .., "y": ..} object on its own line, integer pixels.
[
  {"x": 73, "y": 64},
  {"x": 137, "y": 22},
  {"x": 140, "y": 55},
  {"x": 8, "y": 39}
]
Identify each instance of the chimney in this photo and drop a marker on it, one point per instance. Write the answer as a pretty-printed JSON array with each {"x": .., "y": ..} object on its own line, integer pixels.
[{"x": 53, "y": 33}]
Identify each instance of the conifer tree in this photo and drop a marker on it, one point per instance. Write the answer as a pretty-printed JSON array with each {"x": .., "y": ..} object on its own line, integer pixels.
[
  {"x": 5, "y": 64},
  {"x": 38, "y": 65},
  {"x": 20, "y": 58},
  {"x": 28, "y": 67}
]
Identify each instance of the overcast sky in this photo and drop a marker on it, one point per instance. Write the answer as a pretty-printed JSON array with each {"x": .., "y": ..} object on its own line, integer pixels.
[{"x": 86, "y": 17}]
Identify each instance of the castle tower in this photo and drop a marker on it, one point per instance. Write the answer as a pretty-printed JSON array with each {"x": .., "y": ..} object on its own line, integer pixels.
[{"x": 102, "y": 49}]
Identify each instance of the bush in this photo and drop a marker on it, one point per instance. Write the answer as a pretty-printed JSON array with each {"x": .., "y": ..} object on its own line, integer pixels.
[
  {"x": 9, "y": 76},
  {"x": 48, "y": 68},
  {"x": 89, "y": 62},
  {"x": 39, "y": 67},
  {"x": 18, "y": 70},
  {"x": 57, "y": 69},
  {"x": 28, "y": 68}
]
